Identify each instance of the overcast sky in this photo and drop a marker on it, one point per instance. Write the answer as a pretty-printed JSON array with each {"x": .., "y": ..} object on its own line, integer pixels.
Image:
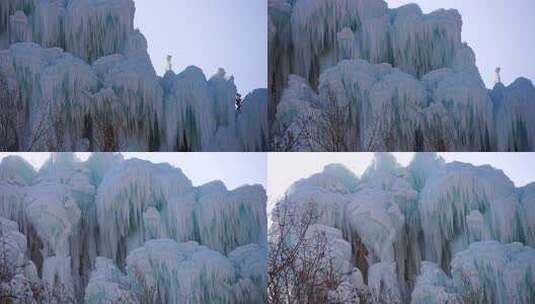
[
  {"x": 286, "y": 168},
  {"x": 210, "y": 34},
  {"x": 501, "y": 32},
  {"x": 234, "y": 169}
]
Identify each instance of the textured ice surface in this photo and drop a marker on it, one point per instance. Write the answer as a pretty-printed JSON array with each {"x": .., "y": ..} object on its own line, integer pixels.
[
  {"x": 80, "y": 79},
  {"x": 92, "y": 225},
  {"x": 415, "y": 233},
  {"x": 393, "y": 79}
]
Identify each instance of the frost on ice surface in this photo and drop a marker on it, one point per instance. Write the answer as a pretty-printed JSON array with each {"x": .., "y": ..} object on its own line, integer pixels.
[
  {"x": 432, "y": 232},
  {"x": 99, "y": 229},
  {"x": 78, "y": 77},
  {"x": 354, "y": 75}
]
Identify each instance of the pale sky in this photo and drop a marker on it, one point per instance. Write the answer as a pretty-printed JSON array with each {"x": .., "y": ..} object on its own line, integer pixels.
[
  {"x": 286, "y": 168},
  {"x": 501, "y": 32},
  {"x": 234, "y": 169},
  {"x": 210, "y": 34}
]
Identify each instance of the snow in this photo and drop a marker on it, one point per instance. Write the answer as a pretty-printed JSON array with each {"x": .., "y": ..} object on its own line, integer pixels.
[
  {"x": 82, "y": 80},
  {"x": 90, "y": 226},
  {"x": 411, "y": 232},
  {"x": 402, "y": 81}
]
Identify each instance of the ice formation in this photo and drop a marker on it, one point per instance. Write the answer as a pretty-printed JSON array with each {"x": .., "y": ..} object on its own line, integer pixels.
[
  {"x": 432, "y": 232},
  {"x": 78, "y": 77},
  {"x": 354, "y": 75},
  {"x": 130, "y": 231}
]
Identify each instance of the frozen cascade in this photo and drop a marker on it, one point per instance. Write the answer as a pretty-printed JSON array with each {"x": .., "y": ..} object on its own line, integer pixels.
[
  {"x": 79, "y": 78},
  {"x": 411, "y": 66},
  {"x": 187, "y": 272},
  {"x": 253, "y": 125},
  {"x": 413, "y": 230},
  {"x": 514, "y": 106},
  {"x": 367, "y": 29},
  {"x": 190, "y": 121},
  {"x": 82, "y": 222},
  {"x": 377, "y": 107}
]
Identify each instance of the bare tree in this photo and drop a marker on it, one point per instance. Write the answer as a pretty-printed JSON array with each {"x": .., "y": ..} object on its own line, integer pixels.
[
  {"x": 13, "y": 124},
  {"x": 300, "y": 267},
  {"x": 334, "y": 128},
  {"x": 9, "y": 126}
]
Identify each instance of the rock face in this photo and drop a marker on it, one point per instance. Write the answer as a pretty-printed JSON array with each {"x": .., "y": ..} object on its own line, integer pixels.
[
  {"x": 132, "y": 231},
  {"x": 428, "y": 233},
  {"x": 77, "y": 77},
  {"x": 390, "y": 79}
]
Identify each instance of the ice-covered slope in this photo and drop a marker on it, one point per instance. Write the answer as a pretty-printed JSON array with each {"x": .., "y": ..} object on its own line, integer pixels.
[
  {"x": 114, "y": 230},
  {"x": 380, "y": 79},
  {"x": 78, "y": 77},
  {"x": 428, "y": 233}
]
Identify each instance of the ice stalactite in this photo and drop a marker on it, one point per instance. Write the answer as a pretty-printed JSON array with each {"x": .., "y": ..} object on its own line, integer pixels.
[
  {"x": 143, "y": 186},
  {"x": 253, "y": 125},
  {"x": 136, "y": 108},
  {"x": 313, "y": 48},
  {"x": 513, "y": 107},
  {"x": 432, "y": 232},
  {"x": 447, "y": 203},
  {"x": 96, "y": 29},
  {"x": 527, "y": 210},
  {"x": 222, "y": 215},
  {"x": 222, "y": 91},
  {"x": 189, "y": 120}
]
